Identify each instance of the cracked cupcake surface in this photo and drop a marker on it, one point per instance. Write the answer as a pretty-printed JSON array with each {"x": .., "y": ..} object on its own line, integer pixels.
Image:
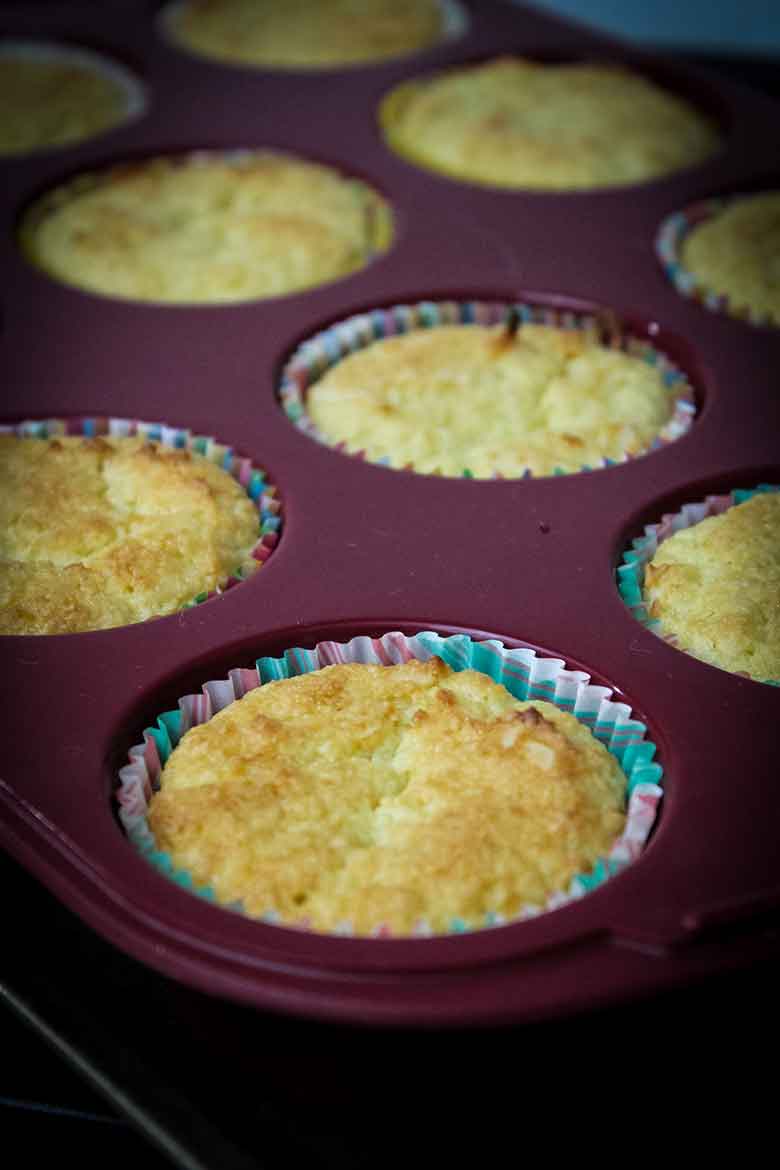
[
  {"x": 468, "y": 397},
  {"x": 715, "y": 588},
  {"x": 375, "y": 795},
  {"x": 512, "y": 122},
  {"x": 206, "y": 228},
  {"x": 104, "y": 532}
]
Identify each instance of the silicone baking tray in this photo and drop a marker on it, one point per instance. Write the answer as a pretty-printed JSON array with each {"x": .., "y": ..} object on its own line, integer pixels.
[{"x": 366, "y": 550}]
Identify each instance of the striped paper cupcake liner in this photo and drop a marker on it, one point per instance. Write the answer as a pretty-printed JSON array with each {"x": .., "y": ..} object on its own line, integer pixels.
[
  {"x": 315, "y": 356},
  {"x": 631, "y": 572},
  {"x": 669, "y": 242},
  {"x": 524, "y": 673},
  {"x": 263, "y": 494}
]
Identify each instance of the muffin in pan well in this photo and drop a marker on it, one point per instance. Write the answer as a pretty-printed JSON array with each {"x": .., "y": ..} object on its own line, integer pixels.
[
  {"x": 707, "y": 579},
  {"x": 543, "y": 392},
  {"x": 731, "y": 254},
  {"x": 104, "y": 531},
  {"x": 309, "y": 34},
  {"x": 515, "y": 123},
  {"x": 206, "y": 228},
  {"x": 394, "y": 786},
  {"x": 54, "y": 95}
]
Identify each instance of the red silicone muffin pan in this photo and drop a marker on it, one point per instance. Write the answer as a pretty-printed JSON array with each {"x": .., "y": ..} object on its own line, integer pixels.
[{"x": 365, "y": 549}]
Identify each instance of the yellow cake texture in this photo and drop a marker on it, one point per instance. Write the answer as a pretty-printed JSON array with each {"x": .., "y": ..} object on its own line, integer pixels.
[
  {"x": 477, "y": 398},
  {"x": 206, "y": 229},
  {"x": 103, "y": 532},
  {"x": 45, "y": 103},
  {"x": 516, "y": 123},
  {"x": 736, "y": 253},
  {"x": 715, "y": 588},
  {"x": 302, "y": 34},
  {"x": 386, "y": 796}
]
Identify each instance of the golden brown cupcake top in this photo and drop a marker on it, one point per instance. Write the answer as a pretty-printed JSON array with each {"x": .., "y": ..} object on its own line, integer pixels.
[
  {"x": 516, "y": 123},
  {"x": 208, "y": 228},
  {"x": 103, "y": 532},
  {"x": 715, "y": 588},
  {"x": 304, "y": 34},
  {"x": 736, "y": 254},
  {"x": 486, "y": 400},
  {"x": 375, "y": 795}
]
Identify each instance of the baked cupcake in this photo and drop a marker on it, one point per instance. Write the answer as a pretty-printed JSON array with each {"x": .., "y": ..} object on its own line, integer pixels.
[
  {"x": 510, "y": 399},
  {"x": 516, "y": 123},
  {"x": 54, "y": 96},
  {"x": 206, "y": 228},
  {"x": 390, "y": 786},
  {"x": 733, "y": 254},
  {"x": 308, "y": 34},
  {"x": 714, "y": 588},
  {"x": 107, "y": 531}
]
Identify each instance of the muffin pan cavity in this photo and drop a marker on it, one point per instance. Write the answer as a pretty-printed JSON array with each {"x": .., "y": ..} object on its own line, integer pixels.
[
  {"x": 206, "y": 227},
  {"x": 313, "y": 34},
  {"x": 370, "y": 550},
  {"x": 521, "y": 672},
  {"x": 125, "y": 548},
  {"x": 547, "y": 416},
  {"x": 55, "y": 96},
  {"x": 730, "y": 614}
]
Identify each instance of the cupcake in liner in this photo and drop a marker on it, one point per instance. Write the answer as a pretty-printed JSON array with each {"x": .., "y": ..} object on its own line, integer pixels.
[
  {"x": 310, "y": 36},
  {"x": 750, "y": 254},
  {"x": 206, "y": 227},
  {"x": 315, "y": 356},
  {"x": 263, "y": 494},
  {"x": 55, "y": 96},
  {"x": 523, "y": 672},
  {"x": 631, "y": 572}
]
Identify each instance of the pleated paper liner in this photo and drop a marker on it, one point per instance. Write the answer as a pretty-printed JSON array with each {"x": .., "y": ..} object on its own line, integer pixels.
[
  {"x": 263, "y": 494},
  {"x": 669, "y": 241},
  {"x": 525, "y": 674},
  {"x": 631, "y": 572},
  {"x": 316, "y": 355}
]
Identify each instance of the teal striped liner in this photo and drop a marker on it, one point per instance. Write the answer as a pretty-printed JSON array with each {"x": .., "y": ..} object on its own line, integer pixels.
[
  {"x": 630, "y": 573},
  {"x": 522, "y": 671}
]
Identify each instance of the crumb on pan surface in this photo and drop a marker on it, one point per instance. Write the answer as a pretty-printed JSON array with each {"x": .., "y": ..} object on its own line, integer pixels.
[
  {"x": 736, "y": 253},
  {"x": 54, "y": 103},
  {"x": 206, "y": 228},
  {"x": 305, "y": 33},
  {"x": 715, "y": 588},
  {"x": 472, "y": 397},
  {"x": 104, "y": 532},
  {"x": 387, "y": 795},
  {"x": 515, "y": 123}
]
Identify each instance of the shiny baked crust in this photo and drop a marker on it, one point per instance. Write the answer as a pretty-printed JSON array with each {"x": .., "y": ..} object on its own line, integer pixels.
[
  {"x": 305, "y": 33},
  {"x": 104, "y": 532},
  {"x": 736, "y": 253},
  {"x": 376, "y": 795},
  {"x": 206, "y": 229},
  {"x": 715, "y": 587},
  {"x": 516, "y": 123},
  {"x": 54, "y": 103},
  {"x": 469, "y": 397}
]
